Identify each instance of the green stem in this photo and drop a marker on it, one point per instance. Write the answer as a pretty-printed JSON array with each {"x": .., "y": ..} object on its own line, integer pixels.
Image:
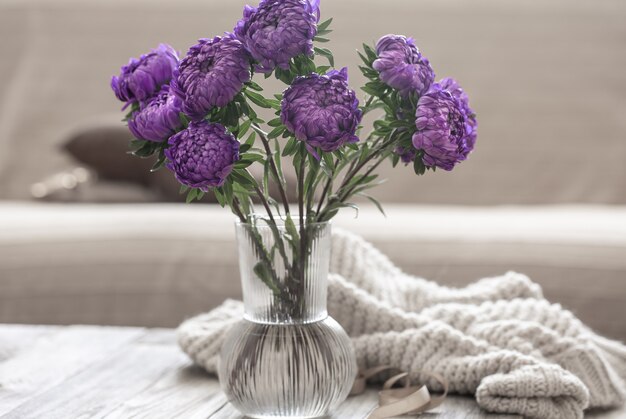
[
  {"x": 326, "y": 189},
  {"x": 360, "y": 165},
  {"x": 301, "y": 209},
  {"x": 348, "y": 193},
  {"x": 273, "y": 167},
  {"x": 342, "y": 194},
  {"x": 312, "y": 189},
  {"x": 264, "y": 202},
  {"x": 272, "y": 224},
  {"x": 237, "y": 210},
  {"x": 261, "y": 250}
]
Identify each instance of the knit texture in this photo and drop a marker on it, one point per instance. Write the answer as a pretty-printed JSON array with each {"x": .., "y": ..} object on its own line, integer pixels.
[{"x": 497, "y": 338}]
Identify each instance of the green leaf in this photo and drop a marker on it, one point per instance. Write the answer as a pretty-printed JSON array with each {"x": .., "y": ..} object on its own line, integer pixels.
[
  {"x": 254, "y": 86},
  {"x": 324, "y": 25},
  {"x": 369, "y": 72},
  {"x": 320, "y": 39},
  {"x": 375, "y": 202},
  {"x": 370, "y": 91},
  {"x": 231, "y": 115},
  {"x": 325, "y": 52},
  {"x": 242, "y": 164},
  {"x": 243, "y": 196},
  {"x": 363, "y": 153},
  {"x": 292, "y": 230},
  {"x": 310, "y": 178},
  {"x": 257, "y": 99},
  {"x": 219, "y": 195},
  {"x": 146, "y": 150},
  {"x": 275, "y": 122},
  {"x": 371, "y": 54},
  {"x": 244, "y": 178},
  {"x": 361, "y": 179},
  {"x": 228, "y": 191},
  {"x": 353, "y": 206},
  {"x": 253, "y": 157},
  {"x": 266, "y": 178},
  {"x": 278, "y": 163},
  {"x": 265, "y": 274},
  {"x": 251, "y": 138},
  {"x": 418, "y": 166},
  {"x": 247, "y": 110},
  {"x": 365, "y": 60},
  {"x": 291, "y": 147},
  {"x": 191, "y": 195},
  {"x": 327, "y": 165},
  {"x": 275, "y": 104},
  {"x": 376, "y": 85},
  {"x": 328, "y": 159},
  {"x": 135, "y": 143},
  {"x": 244, "y": 147},
  {"x": 322, "y": 69},
  {"x": 400, "y": 124},
  {"x": 243, "y": 128},
  {"x": 301, "y": 153},
  {"x": 302, "y": 65},
  {"x": 395, "y": 160},
  {"x": 283, "y": 75},
  {"x": 160, "y": 162},
  {"x": 276, "y": 132},
  {"x": 183, "y": 189}
]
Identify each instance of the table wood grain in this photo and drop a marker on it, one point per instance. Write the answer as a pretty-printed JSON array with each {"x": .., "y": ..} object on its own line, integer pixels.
[{"x": 64, "y": 372}]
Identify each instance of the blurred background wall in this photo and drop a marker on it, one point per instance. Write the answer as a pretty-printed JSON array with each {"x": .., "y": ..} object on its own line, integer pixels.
[{"x": 546, "y": 79}]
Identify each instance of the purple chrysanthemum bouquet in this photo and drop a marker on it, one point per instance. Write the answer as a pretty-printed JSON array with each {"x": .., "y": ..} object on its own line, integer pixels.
[{"x": 199, "y": 115}]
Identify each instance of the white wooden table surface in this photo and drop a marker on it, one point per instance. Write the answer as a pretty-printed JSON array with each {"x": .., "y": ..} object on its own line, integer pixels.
[{"x": 112, "y": 372}]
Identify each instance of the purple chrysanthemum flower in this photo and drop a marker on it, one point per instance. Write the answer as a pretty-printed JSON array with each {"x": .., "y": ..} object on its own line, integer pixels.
[
  {"x": 278, "y": 30},
  {"x": 202, "y": 155},
  {"x": 441, "y": 129},
  {"x": 401, "y": 65},
  {"x": 322, "y": 111},
  {"x": 211, "y": 74},
  {"x": 158, "y": 119},
  {"x": 471, "y": 124},
  {"x": 142, "y": 78}
]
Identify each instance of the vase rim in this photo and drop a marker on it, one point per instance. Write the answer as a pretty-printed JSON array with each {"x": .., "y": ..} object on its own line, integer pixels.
[{"x": 280, "y": 221}]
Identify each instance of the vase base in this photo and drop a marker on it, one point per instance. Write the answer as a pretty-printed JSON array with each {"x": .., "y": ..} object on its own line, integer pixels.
[
  {"x": 284, "y": 417},
  {"x": 287, "y": 371}
]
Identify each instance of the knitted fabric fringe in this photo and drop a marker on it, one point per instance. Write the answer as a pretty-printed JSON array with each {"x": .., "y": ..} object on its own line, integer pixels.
[{"x": 497, "y": 338}]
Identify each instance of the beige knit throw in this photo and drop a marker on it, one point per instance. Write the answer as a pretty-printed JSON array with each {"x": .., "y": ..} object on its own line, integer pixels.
[{"x": 497, "y": 338}]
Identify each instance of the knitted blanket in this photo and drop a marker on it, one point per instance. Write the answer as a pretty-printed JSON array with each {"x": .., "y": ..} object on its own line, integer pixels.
[{"x": 498, "y": 338}]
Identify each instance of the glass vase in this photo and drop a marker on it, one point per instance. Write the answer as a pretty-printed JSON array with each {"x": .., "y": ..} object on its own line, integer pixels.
[{"x": 286, "y": 358}]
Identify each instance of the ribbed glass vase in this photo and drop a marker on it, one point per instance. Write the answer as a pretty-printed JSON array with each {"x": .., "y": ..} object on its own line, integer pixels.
[{"x": 286, "y": 358}]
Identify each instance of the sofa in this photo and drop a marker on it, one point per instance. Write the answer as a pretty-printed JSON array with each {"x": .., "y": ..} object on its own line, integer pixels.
[{"x": 157, "y": 264}]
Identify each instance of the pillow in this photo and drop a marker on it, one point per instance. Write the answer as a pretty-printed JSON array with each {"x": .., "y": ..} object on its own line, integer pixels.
[{"x": 105, "y": 149}]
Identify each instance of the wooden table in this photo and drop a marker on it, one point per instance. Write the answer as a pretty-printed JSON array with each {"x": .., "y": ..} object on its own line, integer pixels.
[{"x": 52, "y": 372}]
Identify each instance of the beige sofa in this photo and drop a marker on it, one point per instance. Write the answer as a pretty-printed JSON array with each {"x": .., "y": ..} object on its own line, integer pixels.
[{"x": 154, "y": 265}]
